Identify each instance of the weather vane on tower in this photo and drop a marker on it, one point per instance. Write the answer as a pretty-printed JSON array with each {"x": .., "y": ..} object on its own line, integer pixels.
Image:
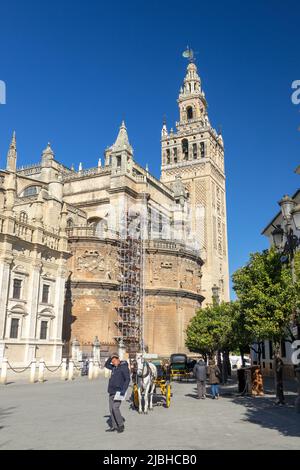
[{"x": 189, "y": 54}]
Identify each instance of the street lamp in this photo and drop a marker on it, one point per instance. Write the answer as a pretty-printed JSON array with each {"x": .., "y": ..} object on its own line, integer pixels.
[
  {"x": 277, "y": 235},
  {"x": 290, "y": 213},
  {"x": 286, "y": 204}
]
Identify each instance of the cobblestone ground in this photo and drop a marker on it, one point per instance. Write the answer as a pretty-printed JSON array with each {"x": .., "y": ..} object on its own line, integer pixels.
[{"x": 72, "y": 415}]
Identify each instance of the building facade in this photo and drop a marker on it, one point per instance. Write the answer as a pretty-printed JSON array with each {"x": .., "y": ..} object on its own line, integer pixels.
[{"x": 112, "y": 252}]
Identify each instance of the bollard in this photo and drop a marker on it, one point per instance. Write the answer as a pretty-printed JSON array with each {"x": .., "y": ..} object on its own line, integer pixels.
[
  {"x": 41, "y": 371},
  {"x": 4, "y": 366},
  {"x": 32, "y": 371},
  {"x": 71, "y": 370},
  {"x": 91, "y": 369},
  {"x": 96, "y": 370},
  {"x": 64, "y": 369}
]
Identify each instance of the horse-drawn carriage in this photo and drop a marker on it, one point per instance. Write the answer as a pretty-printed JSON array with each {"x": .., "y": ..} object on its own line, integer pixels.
[
  {"x": 149, "y": 377},
  {"x": 181, "y": 367},
  {"x": 163, "y": 381}
]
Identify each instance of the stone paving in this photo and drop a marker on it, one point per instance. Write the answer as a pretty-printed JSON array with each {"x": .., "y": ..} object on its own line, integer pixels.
[{"x": 72, "y": 415}]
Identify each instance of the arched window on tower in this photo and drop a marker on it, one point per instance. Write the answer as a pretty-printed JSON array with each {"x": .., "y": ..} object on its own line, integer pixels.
[
  {"x": 195, "y": 151},
  {"x": 175, "y": 154},
  {"x": 189, "y": 113},
  {"x": 168, "y": 157},
  {"x": 202, "y": 150},
  {"x": 185, "y": 149}
]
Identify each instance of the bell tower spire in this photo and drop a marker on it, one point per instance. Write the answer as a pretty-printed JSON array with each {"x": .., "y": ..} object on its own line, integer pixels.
[
  {"x": 191, "y": 101},
  {"x": 195, "y": 154}
]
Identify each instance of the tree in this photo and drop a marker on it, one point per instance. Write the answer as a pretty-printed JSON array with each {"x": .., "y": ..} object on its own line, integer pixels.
[
  {"x": 269, "y": 300},
  {"x": 267, "y": 296},
  {"x": 242, "y": 338},
  {"x": 209, "y": 329}
]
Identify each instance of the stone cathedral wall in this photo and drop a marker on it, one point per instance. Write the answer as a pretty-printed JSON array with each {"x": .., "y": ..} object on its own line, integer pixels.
[{"x": 172, "y": 293}]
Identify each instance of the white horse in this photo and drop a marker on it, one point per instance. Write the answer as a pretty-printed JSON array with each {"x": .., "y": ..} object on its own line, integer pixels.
[{"x": 146, "y": 376}]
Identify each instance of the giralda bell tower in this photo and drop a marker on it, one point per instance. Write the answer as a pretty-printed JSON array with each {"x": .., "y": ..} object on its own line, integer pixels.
[{"x": 195, "y": 154}]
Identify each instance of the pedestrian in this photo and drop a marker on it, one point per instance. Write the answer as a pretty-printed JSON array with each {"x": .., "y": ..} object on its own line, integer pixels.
[
  {"x": 200, "y": 372},
  {"x": 214, "y": 376},
  {"x": 278, "y": 375},
  {"x": 117, "y": 388}
]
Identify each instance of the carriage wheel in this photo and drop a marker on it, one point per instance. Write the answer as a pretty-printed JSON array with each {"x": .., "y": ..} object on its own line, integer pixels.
[
  {"x": 168, "y": 396},
  {"x": 135, "y": 396}
]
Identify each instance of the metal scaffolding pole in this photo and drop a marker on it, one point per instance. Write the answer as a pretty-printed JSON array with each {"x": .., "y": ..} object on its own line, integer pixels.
[{"x": 131, "y": 292}]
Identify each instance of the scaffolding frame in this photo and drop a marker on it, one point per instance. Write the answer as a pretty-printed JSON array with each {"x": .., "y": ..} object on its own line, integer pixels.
[{"x": 130, "y": 321}]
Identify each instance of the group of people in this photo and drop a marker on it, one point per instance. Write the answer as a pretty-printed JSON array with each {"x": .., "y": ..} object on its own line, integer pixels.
[
  {"x": 120, "y": 379},
  {"x": 210, "y": 373}
]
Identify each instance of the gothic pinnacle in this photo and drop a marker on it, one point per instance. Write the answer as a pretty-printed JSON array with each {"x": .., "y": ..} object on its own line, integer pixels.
[
  {"x": 122, "y": 141},
  {"x": 12, "y": 154},
  {"x": 14, "y": 140}
]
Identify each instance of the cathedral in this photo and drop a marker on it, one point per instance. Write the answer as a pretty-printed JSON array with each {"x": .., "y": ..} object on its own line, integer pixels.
[{"x": 112, "y": 252}]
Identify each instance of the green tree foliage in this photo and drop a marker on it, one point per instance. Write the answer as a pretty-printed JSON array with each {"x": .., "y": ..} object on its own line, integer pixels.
[
  {"x": 267, "y": 300},
  {"x": 211, "y": 329},
  {"x": 267, "y": 296}
]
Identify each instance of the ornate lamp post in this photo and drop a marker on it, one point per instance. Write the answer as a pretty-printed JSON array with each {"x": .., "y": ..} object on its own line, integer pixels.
[{"x": 286, "y": 241}]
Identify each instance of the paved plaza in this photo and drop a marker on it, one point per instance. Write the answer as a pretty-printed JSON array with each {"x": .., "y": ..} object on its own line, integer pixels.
[{"x": 72, "y": 415}]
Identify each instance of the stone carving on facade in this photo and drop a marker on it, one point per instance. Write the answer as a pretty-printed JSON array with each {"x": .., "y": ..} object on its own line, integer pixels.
[
  {"x": 47, "y": 275},
  {"x": 91, "y": 261},
  {"x": 19, "y": 250},
  {"x": 18, "y": 309},
  {"x": 217, "y": 175},
  {"x": 166, "y": 265},
  {"x": 19, "y": 269},
  {"x": 47, "y": 256}
]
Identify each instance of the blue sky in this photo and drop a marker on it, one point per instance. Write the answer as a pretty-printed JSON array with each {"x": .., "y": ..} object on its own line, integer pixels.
[{"x": 75, "y": 69}]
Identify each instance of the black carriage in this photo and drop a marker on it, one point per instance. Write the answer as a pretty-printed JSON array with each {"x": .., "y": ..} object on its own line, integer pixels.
[{"x": 181, "y": 367}]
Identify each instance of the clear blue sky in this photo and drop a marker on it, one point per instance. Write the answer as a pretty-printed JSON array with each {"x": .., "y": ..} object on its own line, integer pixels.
[{"x": 74, "y": 69}]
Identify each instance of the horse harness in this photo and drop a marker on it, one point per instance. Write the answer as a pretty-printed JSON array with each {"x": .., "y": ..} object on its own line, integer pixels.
[{"x": 148, "y": 371}]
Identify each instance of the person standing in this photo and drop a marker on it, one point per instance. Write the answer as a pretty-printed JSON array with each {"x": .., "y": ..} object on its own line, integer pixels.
[
  {"x": 278, "y": 375},
  {"x": 200, "y": 373},
  {"x": 214, "y": 376},
  {"x": 117, "y": 388}
]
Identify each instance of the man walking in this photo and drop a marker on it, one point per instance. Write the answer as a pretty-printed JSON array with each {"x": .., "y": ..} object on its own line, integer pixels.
[
  {"x": 117, "y": 387},
  {"x": 200, "y": 375}
]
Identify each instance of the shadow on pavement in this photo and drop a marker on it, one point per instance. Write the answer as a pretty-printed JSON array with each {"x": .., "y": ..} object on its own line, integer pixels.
[
  {"x": 191, "y": 395},
  {"x": 4, "y": 413},
  {"x": 264, "y": 412}
]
